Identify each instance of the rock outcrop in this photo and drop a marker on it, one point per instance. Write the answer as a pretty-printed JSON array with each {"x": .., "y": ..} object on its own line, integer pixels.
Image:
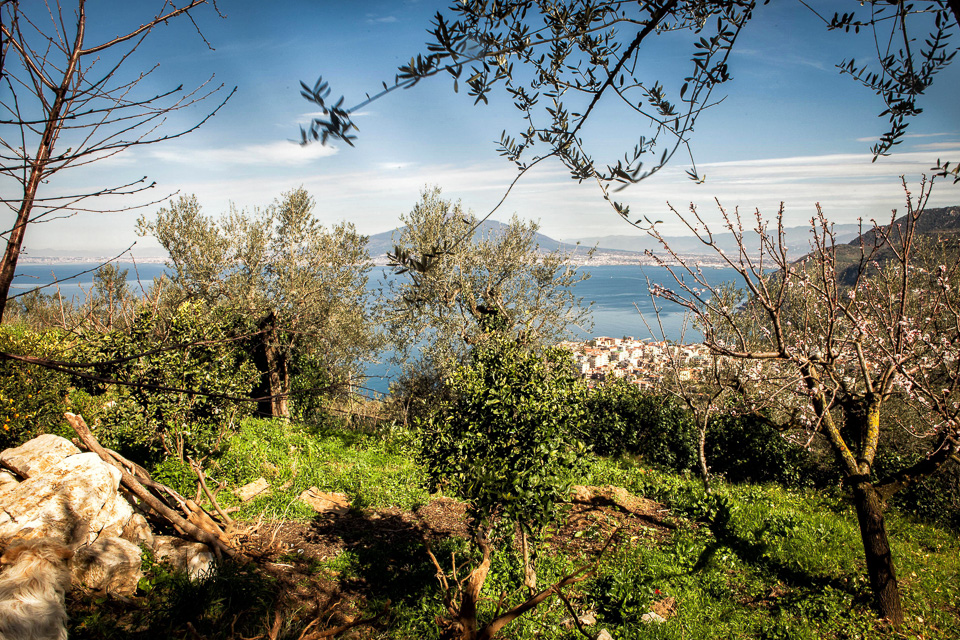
[{"x": 49, "y": 488}]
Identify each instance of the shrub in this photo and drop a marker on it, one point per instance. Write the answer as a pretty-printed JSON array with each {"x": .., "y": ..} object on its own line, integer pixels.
[
  {"x": 622, "y": 419},
  {"x": 746, "y": 448},
  {"x": 194, "y": 351},
  {"x": 507, "y": 440},
  {"x": 32, "y": 398}
]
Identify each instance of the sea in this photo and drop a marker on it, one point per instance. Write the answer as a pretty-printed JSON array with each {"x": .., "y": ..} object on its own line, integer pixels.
[{"x": 621, "y": 303}]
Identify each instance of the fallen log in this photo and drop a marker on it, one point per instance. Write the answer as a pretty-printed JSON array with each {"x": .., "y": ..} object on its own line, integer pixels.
[{"x": 213, "y": 538}]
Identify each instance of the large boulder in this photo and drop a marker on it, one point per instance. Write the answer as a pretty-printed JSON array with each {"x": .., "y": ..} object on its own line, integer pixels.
[
  {"x": 72, "y": 490},
  {"x": 35, "y": 457},
  {"x": 50, "y": 489},
  {"x": 7, "y": 480}
]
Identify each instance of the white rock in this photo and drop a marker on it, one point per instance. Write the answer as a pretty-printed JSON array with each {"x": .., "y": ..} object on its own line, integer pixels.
[
  {"x": 251, "y": 490},
  {"x": 7, "y": 481},
  {"x": 73, "y": 490},
  {"x": 112, "y": 518},
  {"x": 195, "y": 558},
  {"x": 325, "y": 502},
  {"x": 36, "y": 456}
]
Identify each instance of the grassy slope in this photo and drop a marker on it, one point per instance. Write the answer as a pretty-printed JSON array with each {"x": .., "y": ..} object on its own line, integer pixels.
[{"x": 760, "y": 562}]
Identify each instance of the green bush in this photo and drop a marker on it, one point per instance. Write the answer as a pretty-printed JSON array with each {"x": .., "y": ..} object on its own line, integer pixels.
[
  {"x": 622, "y": 419},
  {"x": 746, "y": 448},
  {"x": 507, "y": 441},
  {"x": 32, "y": 397},
  {"x": 180, "y": 373}
]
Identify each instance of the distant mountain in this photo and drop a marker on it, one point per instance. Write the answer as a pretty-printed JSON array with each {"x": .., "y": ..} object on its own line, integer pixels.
[
  {"x": 623, "y": 248},
  {"x": 797, "y": 240},
  {"x": 382, "y": 243}
]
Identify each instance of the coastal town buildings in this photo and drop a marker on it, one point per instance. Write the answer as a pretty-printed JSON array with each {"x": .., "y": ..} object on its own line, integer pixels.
[{"x": 641, "y": 362}]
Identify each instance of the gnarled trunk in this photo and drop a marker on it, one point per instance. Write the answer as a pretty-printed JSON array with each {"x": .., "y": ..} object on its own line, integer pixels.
[
  {"x": 271, "y": 362},
  {"x": 876, "y": 549}
]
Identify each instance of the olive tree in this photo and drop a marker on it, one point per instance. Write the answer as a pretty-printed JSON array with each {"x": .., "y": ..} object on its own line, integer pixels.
[
  {"x": 485, "y": 283},
  {"x": 837, "y": 340},
  {"x": 300, "y": 287}
]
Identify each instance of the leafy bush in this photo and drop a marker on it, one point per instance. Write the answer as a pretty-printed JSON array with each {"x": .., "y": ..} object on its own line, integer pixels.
[
  {"x": 622, "y": 419},
  {"x": 180, "y": 373},
  {"x": 745, "y": 448},
  {"x": 507, "y": 440},
  {"x": 32, "y": 398}
]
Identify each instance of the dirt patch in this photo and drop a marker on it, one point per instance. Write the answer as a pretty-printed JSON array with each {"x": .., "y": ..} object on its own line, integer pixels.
[{"x": 584, "y": 529}]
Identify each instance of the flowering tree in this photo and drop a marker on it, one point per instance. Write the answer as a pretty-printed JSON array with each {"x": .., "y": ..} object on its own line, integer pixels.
[{"x": 839, "y": 338}]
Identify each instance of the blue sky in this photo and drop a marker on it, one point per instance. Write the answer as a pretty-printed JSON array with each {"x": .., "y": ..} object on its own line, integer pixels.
[{"x": 791, "y": 128}]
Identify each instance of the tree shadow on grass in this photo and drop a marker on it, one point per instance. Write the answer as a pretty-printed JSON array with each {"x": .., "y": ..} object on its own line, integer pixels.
[
  {"x": 757, "y": 554},
  {"x": 386, "y": 554}
]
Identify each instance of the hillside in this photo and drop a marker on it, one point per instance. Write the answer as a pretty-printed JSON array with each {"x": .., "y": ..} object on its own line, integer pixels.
[{"x": 933, "y": 227}]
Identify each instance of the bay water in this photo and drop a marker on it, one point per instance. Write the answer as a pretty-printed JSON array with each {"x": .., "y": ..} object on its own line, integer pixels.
[{"x": 621, "y": 305}]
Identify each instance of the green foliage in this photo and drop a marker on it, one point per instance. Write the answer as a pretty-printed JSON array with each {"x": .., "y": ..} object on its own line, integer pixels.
[
  {"x": 507, "y": 440},
  {"x": 169, "y": 363},
  {"x": 746, "y": 448},
  {"x": 765, "y": 562},
  {"x": 477, "y": 283},
  {"x": 32, "y": 398},
  {"x": 622, "y": 419},
  {"x": 282, "y": 271}
]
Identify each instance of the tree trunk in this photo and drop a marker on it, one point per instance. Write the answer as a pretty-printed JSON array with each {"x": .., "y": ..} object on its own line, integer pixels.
[
  {"x": 702, "y": 452},
  {"x": 876, "y": 548},
  {"x": 271, "y": 362}
]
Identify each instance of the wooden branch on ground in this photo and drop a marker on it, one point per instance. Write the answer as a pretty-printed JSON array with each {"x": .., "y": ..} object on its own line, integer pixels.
[
  {"x": 333, "y": 631},
  {"x": 212, "y": 538},
  {"x": 203, "y": 485}
]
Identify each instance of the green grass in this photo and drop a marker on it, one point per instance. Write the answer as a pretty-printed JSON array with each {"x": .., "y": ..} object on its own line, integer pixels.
[
  {"x": 767, "y": 562},
  {"x": 750, "y": 561},
  {"x": 375, "y": 472}
]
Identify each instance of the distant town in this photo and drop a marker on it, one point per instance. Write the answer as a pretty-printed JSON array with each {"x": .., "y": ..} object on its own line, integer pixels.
[{"x": 640, "y": 362}]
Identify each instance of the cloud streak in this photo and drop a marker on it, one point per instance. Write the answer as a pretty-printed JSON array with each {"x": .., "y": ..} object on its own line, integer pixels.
[{"x": 273, "y": 154}]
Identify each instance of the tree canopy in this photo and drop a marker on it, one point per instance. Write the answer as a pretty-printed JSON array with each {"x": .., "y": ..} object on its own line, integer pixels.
[
  {"x": 301, "y": 285},
  {"x": 495, "y": 282}
]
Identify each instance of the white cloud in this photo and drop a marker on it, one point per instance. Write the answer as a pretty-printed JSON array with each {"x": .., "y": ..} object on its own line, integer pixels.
[
  {"x": 910, "y": 135},
  {"x": 374, "y": 18},
  {"x": 938, "y": 146},
  {"x": 280, "y": 153},
  {"x": 847, "y": 186}
]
